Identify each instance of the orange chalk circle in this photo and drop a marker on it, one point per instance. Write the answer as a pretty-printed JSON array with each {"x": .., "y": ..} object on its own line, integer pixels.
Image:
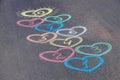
[{"x": 43, "y": 38}]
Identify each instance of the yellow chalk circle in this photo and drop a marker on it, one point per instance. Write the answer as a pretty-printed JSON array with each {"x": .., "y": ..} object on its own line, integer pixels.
[{"x": 37, "y": 13}]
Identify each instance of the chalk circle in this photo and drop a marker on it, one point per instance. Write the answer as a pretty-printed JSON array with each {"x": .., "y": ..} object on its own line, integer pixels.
[
  {"x": 52, "y": 27},
  {"x": 58, "y": 55},
  {"x": 37, "y": 13},
  {"x": 58, "y": 18},
  {"x": 67, "y": 42},
  {"x": 69, "y": 32},
  {"x": 85, "y": 67},
  {"x": 95, "y": 47},
  {"x": 43, "y": 38},
  {"x": 30, "y": 23}
]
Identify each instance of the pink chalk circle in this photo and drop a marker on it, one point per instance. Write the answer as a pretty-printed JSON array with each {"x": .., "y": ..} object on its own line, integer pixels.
[
  {"x": 59, "y": 57},
  {"x": 30, "y": 23}
]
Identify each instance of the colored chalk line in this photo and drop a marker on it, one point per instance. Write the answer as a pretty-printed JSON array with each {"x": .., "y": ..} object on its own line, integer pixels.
[{"x": 50, "y": 33}]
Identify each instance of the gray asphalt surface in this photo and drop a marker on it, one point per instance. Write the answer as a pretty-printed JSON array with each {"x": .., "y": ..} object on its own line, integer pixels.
[{"x": 19, "y": 58}]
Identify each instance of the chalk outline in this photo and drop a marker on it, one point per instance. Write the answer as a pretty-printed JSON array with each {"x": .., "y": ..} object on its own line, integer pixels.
[
  {"x": 58, "y": 16},
  {"x": 108, "y": 45},
  {"x": 24, "y": 13},
  {"x": 71, "y": 29},
  {"x": 31, "y": 20},
  {"x": 66, "y": 63},
  {"x": 50, "y": 26},
  {"x": 41, "y": 35},
  {"x": 80, "y": 40},
  {"x": 41, "y": 55}
]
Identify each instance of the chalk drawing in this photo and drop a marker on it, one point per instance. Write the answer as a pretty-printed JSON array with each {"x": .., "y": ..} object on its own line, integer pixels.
[
  {"x": 52, "y": 27},
  {"x": 58, "y": 55},
  {"x": 67, "y": 42},
  {"x": 58, "y": 18},
  {"x": 95, "y": 47},
  {"x": 65, "y": 54},
  {"x": 37, "y": 13},
  {"x": 30, "y": 23},
  {"x": 85, "y": 63},
  {"x": 43, "y": 38},
  {"x": 71, "y": 31}
]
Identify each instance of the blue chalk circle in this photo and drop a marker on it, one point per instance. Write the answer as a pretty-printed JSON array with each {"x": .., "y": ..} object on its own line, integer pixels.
[
  {"x": 49, "y": 27},
  {"x": 86, "y": 67},
  {"x": 58, "y": 18}
]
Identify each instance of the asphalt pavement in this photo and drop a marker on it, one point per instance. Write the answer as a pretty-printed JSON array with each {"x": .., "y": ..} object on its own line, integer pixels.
[{"x": 20, "y": 58}]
